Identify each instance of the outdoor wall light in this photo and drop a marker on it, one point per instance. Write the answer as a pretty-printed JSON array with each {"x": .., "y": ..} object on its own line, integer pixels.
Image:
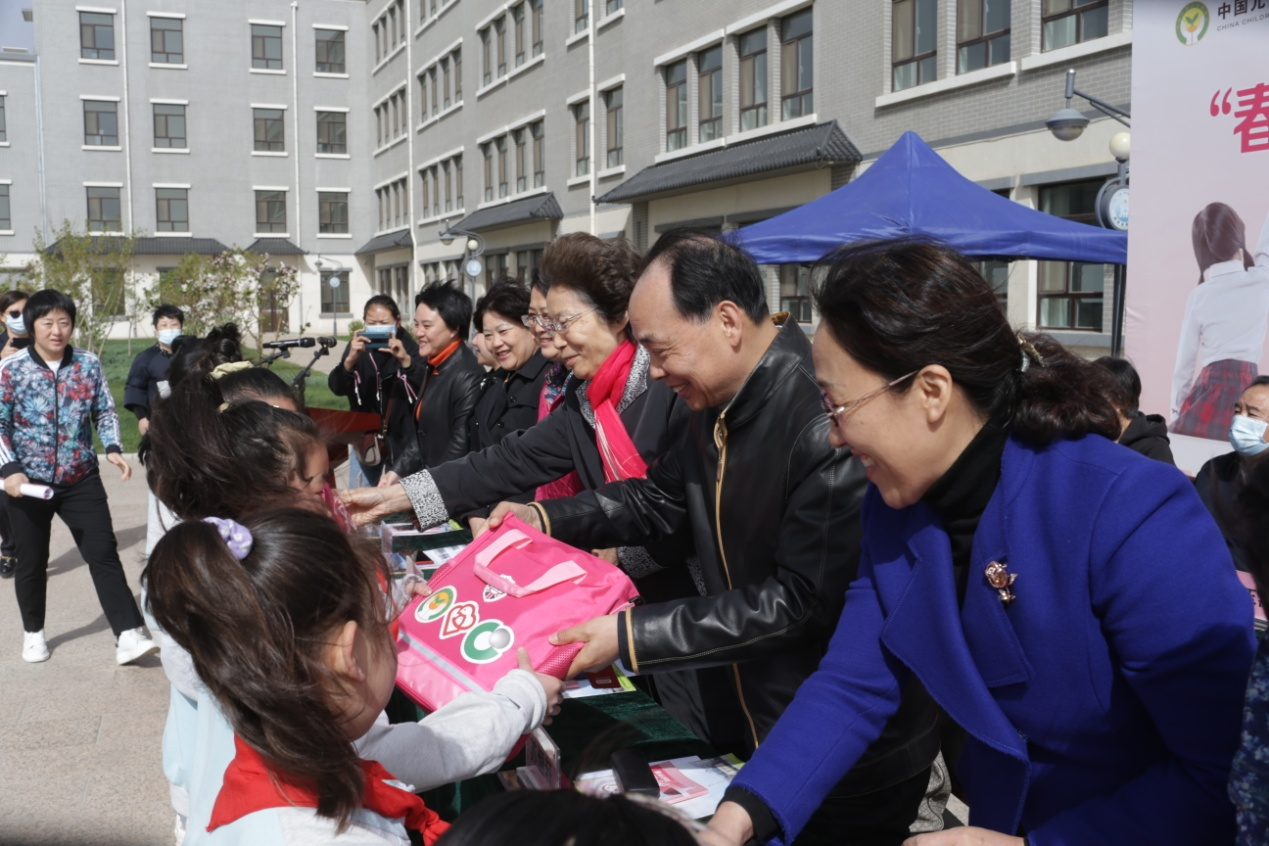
[{"x": 1068, "y": 124}]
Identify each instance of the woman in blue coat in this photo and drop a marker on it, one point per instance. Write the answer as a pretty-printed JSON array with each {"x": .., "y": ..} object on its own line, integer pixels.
[{"x": 1069, "y": 603}]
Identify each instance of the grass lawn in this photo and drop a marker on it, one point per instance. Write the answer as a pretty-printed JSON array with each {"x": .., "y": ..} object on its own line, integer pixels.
[{"x": 117, "y": 361}]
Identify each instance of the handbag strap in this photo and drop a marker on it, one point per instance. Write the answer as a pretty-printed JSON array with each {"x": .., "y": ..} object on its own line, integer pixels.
[{"x": 514, "y": 538}]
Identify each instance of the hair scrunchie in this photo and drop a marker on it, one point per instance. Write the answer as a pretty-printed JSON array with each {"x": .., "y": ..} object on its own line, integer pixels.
[
  {"x": 235, "y": 535},
  {"x": 1029, "y": 353},
  {"x": 219, "y": 371}
]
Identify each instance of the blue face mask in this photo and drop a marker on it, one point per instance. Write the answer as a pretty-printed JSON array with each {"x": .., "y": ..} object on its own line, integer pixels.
[
  {"x": 167, "y": 336},
  {"x": 16, "y": 325},
  {"x": 1247, "y": 435}
]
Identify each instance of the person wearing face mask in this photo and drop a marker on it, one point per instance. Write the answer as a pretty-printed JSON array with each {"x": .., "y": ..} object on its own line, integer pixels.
[
  {"x": 1221, "y": 480},
  {"x": 147, "y": 379},
  {"x": 368, "y": 377},
  {"x": 14, "y": 338}
]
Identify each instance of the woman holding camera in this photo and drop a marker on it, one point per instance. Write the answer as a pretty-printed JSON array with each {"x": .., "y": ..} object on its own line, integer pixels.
[{"x": 368, "y": 376}]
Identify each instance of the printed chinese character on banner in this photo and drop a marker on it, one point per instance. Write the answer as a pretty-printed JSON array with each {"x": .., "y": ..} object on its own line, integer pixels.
[{"x": 1253, "y": 112}]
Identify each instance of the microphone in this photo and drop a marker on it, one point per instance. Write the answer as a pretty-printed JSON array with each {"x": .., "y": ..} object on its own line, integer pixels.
[
  {"x": 289, "y": 343},
  {"x": 328, "y": 342}
]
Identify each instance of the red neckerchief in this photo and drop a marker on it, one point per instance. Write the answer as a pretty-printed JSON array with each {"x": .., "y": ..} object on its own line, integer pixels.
[
  {"x": 610, "y": 381},
  {"x": 434, "y": 361},
  {"x": 249, "y": 786}
]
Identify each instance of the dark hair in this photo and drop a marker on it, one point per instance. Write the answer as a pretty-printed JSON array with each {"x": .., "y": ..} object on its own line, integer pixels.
[
  {"x": 256, "y": 629},
  {"x": 1218, "y": 234},
  {"x": 705, "y": 271},
  {"x": 556, "y": 817},
  {"x": 1259, "y": 380},
  {"x": 508, "y": 297},
  {"x": 1126, "y": 393},
  {"x": 42, "y": 302},
  {"x": 168, "y": 311},
  {"x": 601, "y": 272},
  {"x": 254, "y": 383},
  {"x": 447, "y": 300},
  {"x": 1253, "y": 502},
  {"x": 386, "y": 302},
  {"x": 8, "y": 298},
  {"x": 897, "y": 306},
  {"x": 537, "y": 283},
  {"x": 199, "y": 356},
  {"x": 210, "y": 455}
]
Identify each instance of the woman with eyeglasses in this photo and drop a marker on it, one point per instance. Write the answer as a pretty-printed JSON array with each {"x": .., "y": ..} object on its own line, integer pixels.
[
  {"x": 14, "y": 337},
  {"x": 1067, "y": 602},
  {"x": 367, "y": 375}
]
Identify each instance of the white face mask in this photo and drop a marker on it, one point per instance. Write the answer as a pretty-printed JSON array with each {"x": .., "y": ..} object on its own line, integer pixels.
[
  {"x": 16, "y": 325},
  {"x": 1247, "y": 435},
  {"x": 167, "y": 336}
]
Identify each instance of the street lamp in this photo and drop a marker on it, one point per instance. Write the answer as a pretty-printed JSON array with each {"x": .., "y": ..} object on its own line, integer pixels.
[
  {"x": 334, "y": 282},
  {"x": 475, "y": 245},
  {"x": 1112, "y": 199}
]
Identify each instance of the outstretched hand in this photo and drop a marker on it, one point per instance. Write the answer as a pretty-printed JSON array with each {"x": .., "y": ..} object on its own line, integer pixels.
[
  {"x": 553, "y": 687},
  {"x": 527, "y": 514},
  {"x": 600, "y": 638},
  {"x": 370, "y": 505}
]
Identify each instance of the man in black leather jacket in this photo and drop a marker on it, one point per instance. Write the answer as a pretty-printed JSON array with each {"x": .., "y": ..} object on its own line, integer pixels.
[{"x": 774, "y": 513}]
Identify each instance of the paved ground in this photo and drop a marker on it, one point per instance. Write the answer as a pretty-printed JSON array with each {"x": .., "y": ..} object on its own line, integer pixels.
[{"x": 80, "y": 736}]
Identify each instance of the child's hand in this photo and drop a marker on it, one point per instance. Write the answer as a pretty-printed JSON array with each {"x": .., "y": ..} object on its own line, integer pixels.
[{"x": 554, "y": 687}]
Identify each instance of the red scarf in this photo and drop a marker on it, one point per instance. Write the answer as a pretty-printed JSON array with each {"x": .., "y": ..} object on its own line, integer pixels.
[
  {"x": 617, "y": 451},
  {"x": 249, "y": 786},
  {"x": 610, "y": 381}
]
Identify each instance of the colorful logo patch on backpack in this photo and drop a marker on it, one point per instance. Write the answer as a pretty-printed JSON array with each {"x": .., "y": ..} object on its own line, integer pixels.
[
  {"x": 461, "y": 617},
  {"x": 487, "y": 642},
  {"x": 435, "y": 606}
]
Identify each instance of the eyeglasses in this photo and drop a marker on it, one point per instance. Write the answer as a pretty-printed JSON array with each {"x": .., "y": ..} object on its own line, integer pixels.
[
  {"x": 841, "y": 412},
  {"x": 561, "y": 324},
  {"x": 538, "y": 320}
]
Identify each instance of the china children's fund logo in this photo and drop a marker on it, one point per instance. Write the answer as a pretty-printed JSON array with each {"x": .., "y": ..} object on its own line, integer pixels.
[{"x": 1192, "y": 23}]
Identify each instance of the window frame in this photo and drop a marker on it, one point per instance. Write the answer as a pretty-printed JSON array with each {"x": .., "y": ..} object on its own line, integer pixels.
[
  {"x": 1078, "y": 10},
  {"x": 500, "y": 34},
  {"x": 100, "y": 107},
  {"x": 260, "y": 119},
  {"x": 6, "y": 209},
  {"x": 4, "y": 125},
  {"x": 326, "y": 121},
  {"x": 169, "y": 202},
  {"x": 797, "y": 102},
  {"x": 333, "y": 298},
  {"x": 537, "y": 131},
  {"x": 581, "y": 15},
  {"x": 994, "y": 42},
  {"x": 520, "y": 137},
  {"x": 329, "y": 202},
  {"x": 169, "y": 25},
  {"x": 105, "y": 194},
  {"x": 268, "y": 200},
  {"x": 758, "y": 68},
  {"x": 167, "y": 126},
  {"x": 581, "y": 138},
  {"x": 517, "y": 39},
  {"x": 487, "y": 151},
  {"x": 260, "y": 41},
  {"x": 486, "y": 54},
  {"x": 920, "y": 61},
  {"x": 614, "y": 126},
  {"x": 1069, "y": 270},
  {"x": 676, "y": 95},
  {"x": 500, "y": 145},
  {"x": 322, "y": 60},
  {"x": 93, "y": 29},
  {"x": 709, "y": 124},
  {"x": 535, "y": 14}
]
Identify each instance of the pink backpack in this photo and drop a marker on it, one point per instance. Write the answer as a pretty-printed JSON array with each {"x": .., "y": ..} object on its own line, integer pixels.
[{"x": 509, "y": 588}]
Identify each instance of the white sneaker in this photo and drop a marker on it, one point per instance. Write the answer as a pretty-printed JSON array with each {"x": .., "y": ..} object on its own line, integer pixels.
[
  {"x": 134, "y": 644},
  {"x": 34, "y": 649}
]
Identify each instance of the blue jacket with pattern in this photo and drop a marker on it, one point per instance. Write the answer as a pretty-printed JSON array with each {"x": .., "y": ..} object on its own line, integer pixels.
[{"x": 46, "y": 418}]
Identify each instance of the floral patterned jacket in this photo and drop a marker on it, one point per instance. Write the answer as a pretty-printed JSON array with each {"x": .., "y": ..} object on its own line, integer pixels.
[{"x": 46, "y": 418}]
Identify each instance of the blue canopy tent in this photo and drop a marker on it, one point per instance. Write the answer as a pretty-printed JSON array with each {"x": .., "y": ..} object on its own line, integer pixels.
[{"x": 911, "y": 191}]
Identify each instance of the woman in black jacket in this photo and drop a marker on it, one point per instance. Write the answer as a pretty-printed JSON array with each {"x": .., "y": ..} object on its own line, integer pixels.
[
  {"x": 509, "y": 400},
  {"x": 369, "y": 377}
]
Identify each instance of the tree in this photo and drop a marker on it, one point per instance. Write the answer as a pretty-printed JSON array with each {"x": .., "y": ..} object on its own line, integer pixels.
[
  {"x": 93, "y": 270},
  {"x": 238, "y": 285}
]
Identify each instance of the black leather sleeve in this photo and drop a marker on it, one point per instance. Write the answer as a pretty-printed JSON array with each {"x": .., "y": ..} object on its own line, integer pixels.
[{"x": 462, "y": 401}]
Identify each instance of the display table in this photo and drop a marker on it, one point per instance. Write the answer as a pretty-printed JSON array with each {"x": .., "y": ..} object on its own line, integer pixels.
[{"x": 587, "y": 730}]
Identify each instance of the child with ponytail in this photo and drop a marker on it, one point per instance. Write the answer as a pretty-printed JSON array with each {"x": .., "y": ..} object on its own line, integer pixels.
[{"x": 301, "y": 663}]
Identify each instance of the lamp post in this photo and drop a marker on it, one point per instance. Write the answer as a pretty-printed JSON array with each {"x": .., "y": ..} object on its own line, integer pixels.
[
  {"x": 334, "y": 282},
  {"x": 475, "y": 248},
  {"x": 1112, "y": 200}
]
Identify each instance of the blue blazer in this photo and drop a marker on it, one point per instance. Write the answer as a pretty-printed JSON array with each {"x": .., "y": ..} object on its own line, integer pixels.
[{"x": 1103, "y": 704}]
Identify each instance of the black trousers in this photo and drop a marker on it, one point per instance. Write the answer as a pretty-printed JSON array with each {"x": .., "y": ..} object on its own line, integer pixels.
[
  {"x": 83, "y": 508},
  {"x": 7, "y": 547}
]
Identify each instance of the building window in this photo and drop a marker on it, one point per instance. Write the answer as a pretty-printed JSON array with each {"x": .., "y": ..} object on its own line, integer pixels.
[
  {"x": 332, "y": 212},
  {"x": 105, "y": 212},
  {"x": 101, "y": 123},
  {"x": 458, "y": 182},
  {"x": 522, "y": 172},
  {"x": 458, "y": 76},
  {"x": 537, "y": 130},
  {"x": 107, "y": 285},
  {"x": 332, "y": 132},
  {"x": 797, "y": 55},
  {"x": 913, "y": 42},
  {"x": 611, "y": 6},
  {"x": 487, "y": 151},
  {"x": 270, "y": 211},
  {"x": 581, "y": 143},
  {"x": 486, "y": 55},
  {"x": 436, "y": 189},
  {"x": 753, "y": 79},
  {"x": 448, "y": 169},
  {"x": 996, "y": 273},
  {"x": 169, "y": 126},
  {"x": 500, "y": 36},
  {"x": 709, "y": 70},
  {"x": 172, "y": 213},
  {"x": 517, "y": 15},
  {"x": 167, "y": 41},
  {"x": 527, "y": 261},
  {"x": 615, "y": 127},
  {"x": 445, "y": 81},
  {"x": 330, "y": 51},
  {"x": 1067, "y": 22},
  {"x": 423, "y": 177},
  {"x": 1072, "y": 294},
  {"x": 495, "y": 268},
  {"x": 795, "y": 291},
  {"x": 676, "y": 106},
  {"x": 581, "y": 16},
  {"x": 535, "y": 14},
  {"x": 501, "y": 144},
  {"x": 266, "y": 46},
  {"x": 269, "y": 130},
  {"x": 335, "y": 300},
  {"x": 982, "y": 34},
  {"x": 436, "y": 101},
  {"x": 6, "y": 220},
  {"x": 96, "y": 35},
  {"x": 4, "y": 132}
]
